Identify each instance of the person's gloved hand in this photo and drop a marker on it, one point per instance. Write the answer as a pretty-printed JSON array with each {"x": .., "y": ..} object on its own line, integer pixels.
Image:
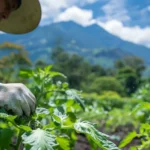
[{"x": 17, "y": 98}]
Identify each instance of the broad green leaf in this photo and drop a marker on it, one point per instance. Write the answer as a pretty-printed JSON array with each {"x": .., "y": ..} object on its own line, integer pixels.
[
  {"x": 99, "y": 138},
  {"x": 5, "y": 138},
  {"x": 25, "y": 73},
  {"x": 133, "y": 148},
  {"x": 145, "y": 145},
  {"x": 72, "y": 94},
  {"x": 142, "y": 105},
  {"x": 25, "y": 128},
  {"x": 7, "y": 117},
  {"x": 64, "y": 143},
  {"x": 70, "y": 120},
  {"x": 39, "y": 140},
  {"x": 48, "y": 68},
  {"x": 128, "y": 139},
  {"x": 56, "y": 120},
  {"x": 145, "y": 128},
  {"x": 66, "y": 120},
  {"x": 65, "y": 85},
  {"x": 54, "y": 74},
  {"x": 59, "y": 115},
  {"x": 42, "y": 111}
]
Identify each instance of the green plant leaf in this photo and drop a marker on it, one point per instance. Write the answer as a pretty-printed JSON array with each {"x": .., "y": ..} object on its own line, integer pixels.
[
  {"x": 25, "y": 128},
  {"x": 54, "y": 74},
  {"x": 133, "y": 148},
  {"x": 7, "y": 117},
  {"x": 142, "y": 105},
  {"x": 41, "y": 111},
  {"x": 72, "y": 94},
  {"x": 99, "y": 138},
  {"x": 25, "y": 73},
  {"x": 128, "y": 139},
  {"x": 62, "y": 118},
  {"x": 64, "y": 143},
  {"x": 5, "y": 138},
  {"x": 39, "y": 140}
]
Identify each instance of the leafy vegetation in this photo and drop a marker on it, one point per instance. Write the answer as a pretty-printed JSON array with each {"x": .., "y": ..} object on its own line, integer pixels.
[
  {"x": 116, "y": 102},
  {"x": 53, "y": 124}
]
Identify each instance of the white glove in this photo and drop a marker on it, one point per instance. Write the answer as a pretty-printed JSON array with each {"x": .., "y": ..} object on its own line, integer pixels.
[{"x": 17, "y": 98}]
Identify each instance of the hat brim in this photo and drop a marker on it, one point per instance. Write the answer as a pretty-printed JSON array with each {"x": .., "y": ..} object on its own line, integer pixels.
[{"x": 25, "y": 19}]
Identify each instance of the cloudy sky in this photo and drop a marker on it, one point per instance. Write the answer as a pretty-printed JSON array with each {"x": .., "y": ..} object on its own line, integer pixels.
[{"x": 127, "y": 19}]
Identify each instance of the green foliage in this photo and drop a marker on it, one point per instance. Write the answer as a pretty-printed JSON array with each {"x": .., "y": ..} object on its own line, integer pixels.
[
  {"x": 107, "y": 100},
  {"x": 144, "y": 131},
  {"x": 79, "y": 72},
  {"x": 134, "y": 62},
  {"x": 129, "y": 79},
  {"x": 13, "y": 58},
  {"x": 128, "y": 139},
  {"x": 99, "y": 138},
  {"x": 55, "y": 119},
  {"x": 120, "y": 118},
  {"x": 39, "y": 139},
  {"x": 143, "y": 93},
  {"x": 143, "y": 136},
  {"x": 129, "y": 72},
  {"x": 102, "y": 84},
  {"x": 5, "y": 138},
  {"x": 112, "y": 112}
]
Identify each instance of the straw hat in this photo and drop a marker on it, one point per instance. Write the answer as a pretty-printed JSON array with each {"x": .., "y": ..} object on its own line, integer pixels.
[{"x": 25, "y": 19}]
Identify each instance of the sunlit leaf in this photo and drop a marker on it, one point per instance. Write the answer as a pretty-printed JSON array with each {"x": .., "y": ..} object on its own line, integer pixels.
[
  {"x": 7, "y": 117},
  {"x": 65, "y": 119},
  {"x": 25, "y": 73},
  {"x": 41, "y": 111},
  {"x": 25, "y": 128},
  {"x": 140, "y": 106},
  {"x": 72, "y": 94},
  {"x": 99, "y": 138},
  {"x": 128, "y": 139},
  {"x": 39, "y": 140},
  {"x": 64, "y": 143}
]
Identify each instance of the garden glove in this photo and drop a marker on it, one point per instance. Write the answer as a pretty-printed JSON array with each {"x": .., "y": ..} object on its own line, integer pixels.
[{"x": 17, "y": 98}]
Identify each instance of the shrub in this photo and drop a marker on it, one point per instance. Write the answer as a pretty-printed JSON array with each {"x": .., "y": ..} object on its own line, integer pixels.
[{"x": 102, "y": 84}]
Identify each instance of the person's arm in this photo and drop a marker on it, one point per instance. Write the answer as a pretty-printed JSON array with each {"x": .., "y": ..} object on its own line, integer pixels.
[{"x": 17, "y": 98}]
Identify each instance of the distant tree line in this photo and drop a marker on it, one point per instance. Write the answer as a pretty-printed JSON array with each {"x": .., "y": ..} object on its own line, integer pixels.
[{"x": 124, "y": 78}]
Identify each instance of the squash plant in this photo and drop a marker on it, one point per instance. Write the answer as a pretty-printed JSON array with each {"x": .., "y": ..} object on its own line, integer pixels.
[{"x": 54, "y": 125}]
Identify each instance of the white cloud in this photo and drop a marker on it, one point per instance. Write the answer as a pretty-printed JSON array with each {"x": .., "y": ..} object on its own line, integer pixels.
[
  {"x": 133, "y": 34},
  {"x": 115, "y": 9},
  {"x": 81, "y": 16},
  {"x": 52, "y": 8},
  {"x": 115, "y": 15}
]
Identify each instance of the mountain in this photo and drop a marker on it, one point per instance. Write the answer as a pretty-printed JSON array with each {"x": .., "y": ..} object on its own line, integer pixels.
[{"x": 92, "y": 42}]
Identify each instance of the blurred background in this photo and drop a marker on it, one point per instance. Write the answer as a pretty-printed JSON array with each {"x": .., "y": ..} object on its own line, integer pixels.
[{"x": 103, "y": 47}]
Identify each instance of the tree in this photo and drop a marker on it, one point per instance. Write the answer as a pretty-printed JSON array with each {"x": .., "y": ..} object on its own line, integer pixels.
[
  {"x": 79, "y": 72},
  {"x": 129, "y": 72},
  {"x": 129, "y": 79},
  {"x": 102, "y": 84},
  {"x": 14, "y": 58},
  {"x": 131, "y": 61}
]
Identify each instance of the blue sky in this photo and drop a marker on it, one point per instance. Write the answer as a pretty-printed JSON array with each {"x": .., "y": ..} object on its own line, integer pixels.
[{"x": 127, "y": 19}]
